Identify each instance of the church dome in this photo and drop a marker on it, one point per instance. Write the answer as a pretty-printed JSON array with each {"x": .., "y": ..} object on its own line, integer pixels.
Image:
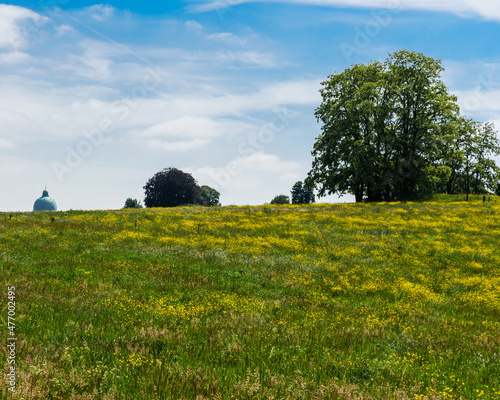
[{"x": 45, "y": 203}]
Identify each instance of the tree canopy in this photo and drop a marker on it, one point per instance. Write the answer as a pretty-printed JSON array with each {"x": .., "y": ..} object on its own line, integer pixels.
[
  {"x": 132, "y": 203},
  {"x": 467, "y": 154},
  {"x": 301, "y": 194},
  {"x": 392, "y": 131},
  {"x": 281, "y": 199},
  {"x": 171, "y": 188},
  {"x": 210, "y": 196}
]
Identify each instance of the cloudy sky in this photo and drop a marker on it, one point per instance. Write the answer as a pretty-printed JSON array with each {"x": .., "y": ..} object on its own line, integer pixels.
[{"x": 96, "y": 98}]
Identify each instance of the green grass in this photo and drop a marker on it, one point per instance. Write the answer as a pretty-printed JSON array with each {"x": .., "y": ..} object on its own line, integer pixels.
[{"x": 347, "y": 301}]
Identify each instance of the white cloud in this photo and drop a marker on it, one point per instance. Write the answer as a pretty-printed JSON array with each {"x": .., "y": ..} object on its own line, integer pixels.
[
  {"x": 33, "y": 111},
  {"x": 65, "y": 29},
  {"x": 17, "y": 25},
  {"x": 193, "y": 25},
  {"x": 192, "y": 126},
  {"x": 263, "y": 162},
  {"x": 487, "y": 9},
  {"x": 186, "y": 127},
  {"x": 178, "y": 146},
  {"x": 477, "y": 87},
  {"x": 18, "y": 127},
  {"x": 259, "y": 176},
  {"x": 223, "y": 56},
  {"x": 288, "y": 93},
  {"x": 100, "y": 12},
  {"x": 227, "y": 37},
  {"x": 44, "y": 111},
  {"x": 300, "y": 92},
  {"x": 249, "y": 57},
  {"x": 6, "y": 144},
  {"x": 14, "y": 57},
  {"x": 479, "y": 101},
  {"x": 99, "y": 61},
  {"x": 469, "y": 73}
]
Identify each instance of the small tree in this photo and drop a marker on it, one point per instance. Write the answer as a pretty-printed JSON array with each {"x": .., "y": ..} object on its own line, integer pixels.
[
  {"x": 171, "y": 188},
  {"x": 210, "y": 196},
  {"x": 132, "y": 203},
  {"x": 281, "y": 199},
  {"x": 301, "y": 194}
]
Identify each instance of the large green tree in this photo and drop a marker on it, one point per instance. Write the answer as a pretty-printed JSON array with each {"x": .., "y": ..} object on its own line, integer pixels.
[
  {"x": 345, "y": 154},
  {"x": 422, "y": 111},
  {"x": 172, "y": 187},
  {"x": 383, "y": 126}
]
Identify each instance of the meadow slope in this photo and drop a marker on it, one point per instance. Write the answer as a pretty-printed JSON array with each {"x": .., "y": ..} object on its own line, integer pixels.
[{"x": 342, "y": 301}]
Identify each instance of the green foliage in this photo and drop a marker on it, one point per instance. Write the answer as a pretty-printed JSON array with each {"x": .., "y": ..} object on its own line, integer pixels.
[
  {"x": 467, "y": 153},
  {"x": 172, "y": 188},
  {"x": 281, "y": 199},
  {"x": 483, "y": 143},
  {"x": 132, "y": 203},
  {"x": 301, "y": 194},
  {"x": 391, "y": 131},
  {"x": 210, "y": 196}
]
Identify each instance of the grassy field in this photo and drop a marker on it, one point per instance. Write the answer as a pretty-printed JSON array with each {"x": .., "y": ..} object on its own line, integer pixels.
[{"x": 343, "y": 301}]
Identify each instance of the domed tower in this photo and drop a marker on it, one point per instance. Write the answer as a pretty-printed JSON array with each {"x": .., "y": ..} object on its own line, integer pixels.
[{"x": 45, "y": 203}]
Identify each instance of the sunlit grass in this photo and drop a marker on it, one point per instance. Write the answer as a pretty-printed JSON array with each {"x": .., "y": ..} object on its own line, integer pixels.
[{"x": 347, "y": 301}]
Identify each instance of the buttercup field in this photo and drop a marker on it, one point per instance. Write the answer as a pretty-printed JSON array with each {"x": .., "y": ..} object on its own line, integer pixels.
[{"x": 343, "y": 301}]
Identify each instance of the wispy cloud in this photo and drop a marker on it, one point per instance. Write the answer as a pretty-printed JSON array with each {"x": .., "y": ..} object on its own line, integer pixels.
[
  {"x": 479, "y": 100},
  {"x": 65, "y": 29},
  {"x": 177, "y": 146},
  {"x": 487, "y": 9},
  {"x": 476, "y": 83},
  {"x": 100, "y": 12},
  {"x": 192, "y": 126},
  {"x": 228, "y": 37},
  {"x": 6, "y": 144},
  {"x": 14, "y": 57}
]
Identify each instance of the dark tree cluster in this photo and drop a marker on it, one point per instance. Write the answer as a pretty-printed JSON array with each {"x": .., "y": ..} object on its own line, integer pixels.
[
  {"x": 301, "y": 194},
  {"x": 172, "y": 187},
  {"x": 132, "y": 203},
  {"x": 281, "y": 199},
  {"x": 466, "y": 154},
  {"x": 391, "y": 131}
]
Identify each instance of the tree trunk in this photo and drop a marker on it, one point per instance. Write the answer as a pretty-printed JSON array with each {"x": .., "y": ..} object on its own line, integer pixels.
[
  {"x": 468, "y": 182},
  {"x": 449, "y": 184},
  {"x": 359, "y": 193}
]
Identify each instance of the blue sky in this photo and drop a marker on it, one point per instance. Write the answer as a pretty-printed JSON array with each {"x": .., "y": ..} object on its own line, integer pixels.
[{"x": 96, "y": 98}]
